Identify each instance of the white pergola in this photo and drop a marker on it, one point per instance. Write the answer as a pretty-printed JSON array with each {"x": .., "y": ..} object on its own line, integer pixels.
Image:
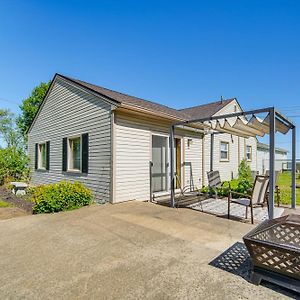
[{"x": 238, "y": 124}]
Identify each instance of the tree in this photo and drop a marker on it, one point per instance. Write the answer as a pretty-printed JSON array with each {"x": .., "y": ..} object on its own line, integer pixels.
[
  {"x": 13, "y": 164},
  {"x": 8, "y": 129},
  {"x": 30, "y": 106},
  {"x": 13, "y": 158}
]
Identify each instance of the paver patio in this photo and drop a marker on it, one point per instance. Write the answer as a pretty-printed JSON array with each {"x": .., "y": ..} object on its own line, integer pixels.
[{"x": 131, "y": 250}]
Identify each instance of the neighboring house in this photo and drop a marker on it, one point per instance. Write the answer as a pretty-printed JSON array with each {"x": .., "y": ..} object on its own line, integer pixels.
[
  {"x": 263, "y": 159},
  {"x": 117, "y": 144}
]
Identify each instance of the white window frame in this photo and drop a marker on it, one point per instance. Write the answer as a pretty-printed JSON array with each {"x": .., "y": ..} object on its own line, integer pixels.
[
  {"x": 250, "y": 147},
  {"x": 70, "y": 154},
  {"x": 40, "y": 156},
  {"x": 228, "y": 151}
]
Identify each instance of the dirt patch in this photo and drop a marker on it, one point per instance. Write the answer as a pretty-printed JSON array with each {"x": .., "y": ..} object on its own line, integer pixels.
[
  {"x": 11, "y": 212},
  {"x": 20, "y": 202}
]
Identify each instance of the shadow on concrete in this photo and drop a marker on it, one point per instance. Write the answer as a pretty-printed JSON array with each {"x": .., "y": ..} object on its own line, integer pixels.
[{"x": 236, "y": 260}]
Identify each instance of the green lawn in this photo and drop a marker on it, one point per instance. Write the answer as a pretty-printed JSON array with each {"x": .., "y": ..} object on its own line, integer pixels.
[
  {"x": 284, "y": 182},
  {"x": 4, "y": 204}
]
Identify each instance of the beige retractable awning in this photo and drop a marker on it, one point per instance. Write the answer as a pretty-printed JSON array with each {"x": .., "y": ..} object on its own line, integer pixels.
[{"x": 242, "y": 127}]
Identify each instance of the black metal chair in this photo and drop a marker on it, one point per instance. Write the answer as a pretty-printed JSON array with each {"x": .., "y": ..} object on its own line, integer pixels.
[
  {"x": 187, "y": 192},
  {"x": 214, "y": 182}
]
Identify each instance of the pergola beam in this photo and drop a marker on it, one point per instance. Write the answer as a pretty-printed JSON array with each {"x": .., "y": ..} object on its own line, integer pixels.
[
  {"x": 232, "y": 115},
  {"x": 285, "y": 119}
]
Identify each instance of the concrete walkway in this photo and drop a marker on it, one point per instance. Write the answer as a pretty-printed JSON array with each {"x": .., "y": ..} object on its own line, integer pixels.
[{"x": 131, "y": 250}]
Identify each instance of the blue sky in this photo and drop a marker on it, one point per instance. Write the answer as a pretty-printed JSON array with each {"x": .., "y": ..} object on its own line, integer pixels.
[{"x": 179, "y": 53}]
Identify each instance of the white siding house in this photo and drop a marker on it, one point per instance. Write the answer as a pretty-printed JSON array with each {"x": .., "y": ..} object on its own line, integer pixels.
[
  {"x": 118, "y": 145},
  {"x": 281, "y": 158}
]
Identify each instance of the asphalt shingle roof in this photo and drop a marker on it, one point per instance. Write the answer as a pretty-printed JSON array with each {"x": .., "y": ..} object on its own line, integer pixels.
[
  {"x": 185, "y": 114},
  {"x": 205, "y": 110}
]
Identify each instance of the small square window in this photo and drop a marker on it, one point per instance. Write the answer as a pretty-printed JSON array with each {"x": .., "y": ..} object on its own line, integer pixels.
[
  {"x": 74, "y": 154},
  {"x": 224, "y": 151},
  {"x": 249, "y": 153},
  {"x": 42, "y": 156}
]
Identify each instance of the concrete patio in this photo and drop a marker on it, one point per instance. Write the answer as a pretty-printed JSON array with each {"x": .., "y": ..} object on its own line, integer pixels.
[{"x": 131, "y": 250}]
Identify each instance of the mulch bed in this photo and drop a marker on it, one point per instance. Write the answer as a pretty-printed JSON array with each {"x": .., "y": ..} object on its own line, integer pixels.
[{"x": 21, "y": 202}]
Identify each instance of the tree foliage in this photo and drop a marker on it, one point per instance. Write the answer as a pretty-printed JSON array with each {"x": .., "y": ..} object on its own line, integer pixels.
[
  {"x": 9, "y": 132},
  {"x": 245, "y": 171},
  {"x": 13, "y": 164},
  {"x": 13, "y": 158},
  {"x": 30, "y": 106}
]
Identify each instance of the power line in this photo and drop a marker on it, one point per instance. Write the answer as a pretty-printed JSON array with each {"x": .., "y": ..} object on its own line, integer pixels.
[{"x": 9, "y": 101}]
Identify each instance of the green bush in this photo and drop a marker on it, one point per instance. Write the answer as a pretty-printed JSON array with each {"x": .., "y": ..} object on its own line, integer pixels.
[
  {"x": 13, "y": 165},
  {"x": 245, "y": 171},
  {"x": 242, "y": 184},
  {"x": 60, "y": 197}
]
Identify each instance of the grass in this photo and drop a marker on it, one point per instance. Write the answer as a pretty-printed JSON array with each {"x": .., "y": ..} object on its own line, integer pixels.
[
  {"x": 284, "y": 182},
  {"x": 4, "y": 204}
]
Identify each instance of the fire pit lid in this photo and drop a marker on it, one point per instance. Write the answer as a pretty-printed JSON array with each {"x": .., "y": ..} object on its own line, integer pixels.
[{"x": 283, "y": 232}]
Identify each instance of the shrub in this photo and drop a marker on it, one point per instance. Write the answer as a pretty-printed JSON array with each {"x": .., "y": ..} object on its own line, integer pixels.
[
  {"x": 60, "y": 197},
  {"x": 242, "y": 184},
  {"x": 245, "y": 171},
  {"x": 13, "y": 165}
]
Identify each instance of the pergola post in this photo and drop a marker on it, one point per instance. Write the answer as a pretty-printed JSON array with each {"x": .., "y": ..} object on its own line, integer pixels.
[
  {"x": 293, "y": 167},
  {"x": 212, "y": 138},
  {"x": 272, "y": 163},
  {"x": 172, "y": 175}
]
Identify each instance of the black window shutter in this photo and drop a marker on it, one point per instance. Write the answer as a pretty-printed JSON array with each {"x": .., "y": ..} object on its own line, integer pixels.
[
  {"x": 85, "y": 153},
  {"x": 64, "y": 154},
  {"x": 36, "y": 156},
  {"x": 48, "y": 155}
]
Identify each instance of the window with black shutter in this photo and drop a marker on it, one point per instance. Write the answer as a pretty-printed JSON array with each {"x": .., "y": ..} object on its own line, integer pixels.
[
  {"x": 76, "y": 153},
  {"x": 85, "y": 153},
  {"x": 65, "y": 154},
  {"x": 42, "y": 156},
  {"x": 48, "y": 155},
  {"x": 36, "y": 157}
]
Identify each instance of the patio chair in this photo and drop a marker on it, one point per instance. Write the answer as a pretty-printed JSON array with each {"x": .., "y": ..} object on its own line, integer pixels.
[
  {"x": 258, "y": 198},
  {"x": 214, "y": 182},
  {"x": 187, "y": 192}
]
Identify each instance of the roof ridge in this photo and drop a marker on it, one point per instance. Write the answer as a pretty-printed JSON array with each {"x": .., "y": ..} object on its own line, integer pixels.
[{"x": 210, "y": 103}]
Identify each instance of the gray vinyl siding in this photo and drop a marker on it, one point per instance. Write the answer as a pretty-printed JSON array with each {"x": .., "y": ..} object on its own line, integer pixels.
[{"x": 70, "y": 111}]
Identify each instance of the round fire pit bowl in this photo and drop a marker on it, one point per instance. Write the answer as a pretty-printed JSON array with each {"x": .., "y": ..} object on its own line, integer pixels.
[{"x": 274, "y": 248}]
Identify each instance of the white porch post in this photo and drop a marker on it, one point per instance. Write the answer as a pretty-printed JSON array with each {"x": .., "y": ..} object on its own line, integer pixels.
[
  {"x": 272, "y": 163},
  {"x": 172, "y": 177},
  {"x": 212, "y": 139},
  {"x": 293, "y": 167}
]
